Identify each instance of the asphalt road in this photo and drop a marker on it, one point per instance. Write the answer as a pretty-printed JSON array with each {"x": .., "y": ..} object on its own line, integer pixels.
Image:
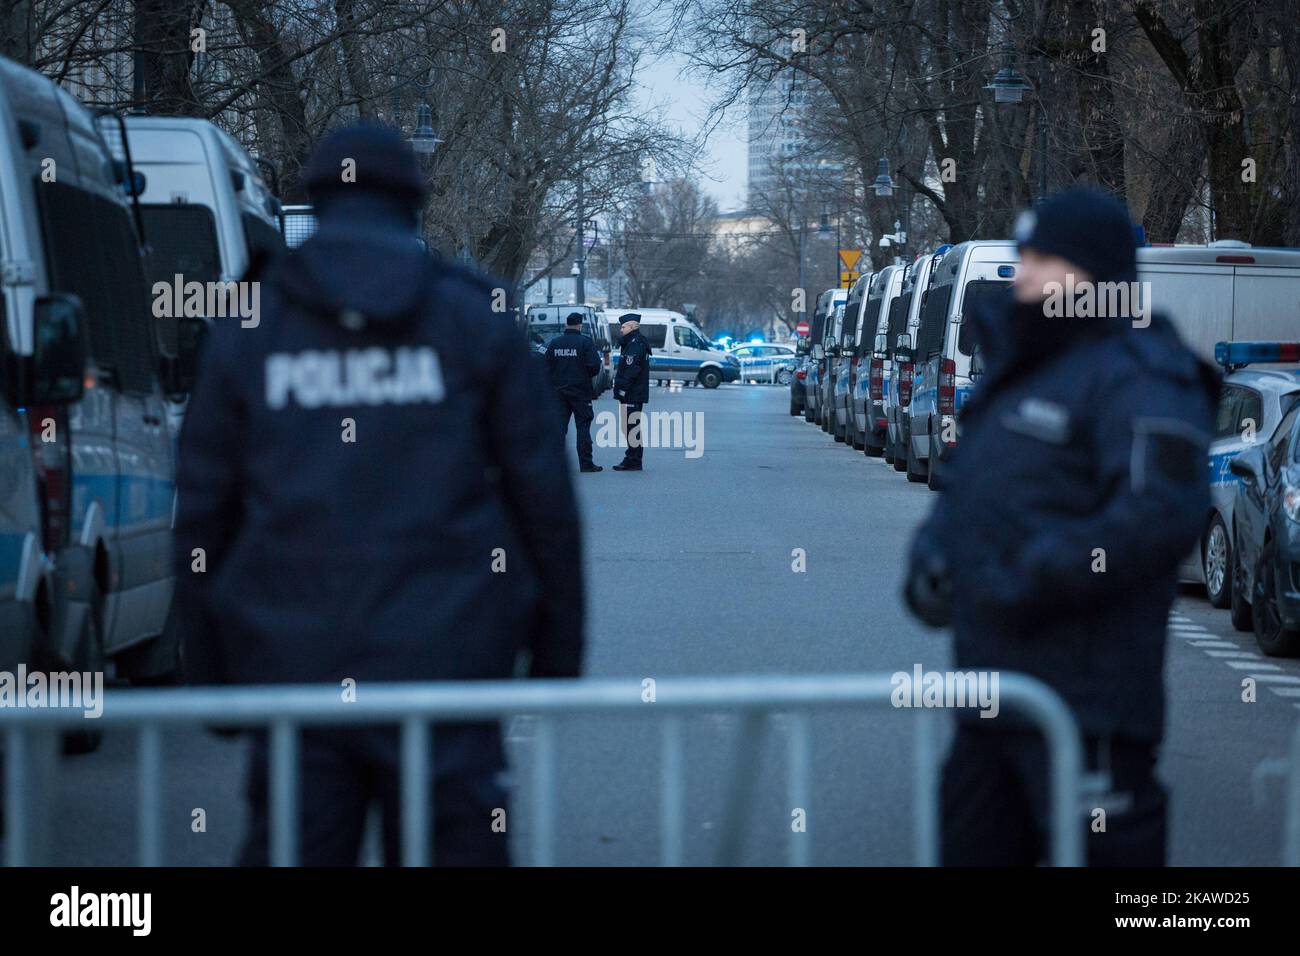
[{"x": 689, "y": 569}]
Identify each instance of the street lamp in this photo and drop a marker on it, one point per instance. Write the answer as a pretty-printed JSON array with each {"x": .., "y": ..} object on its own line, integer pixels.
[
  {"x": 1009, "y": 84},
  {"x": 424, "y": 140},
  {"x": 883, "y": 185}
]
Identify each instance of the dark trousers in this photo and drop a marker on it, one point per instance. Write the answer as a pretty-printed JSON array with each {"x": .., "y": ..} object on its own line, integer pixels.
[
  {"x": 995, "y": 808},
  {"x": 579, "y": 409},
  {"x": 345, "y": 771},
  {"x": 633, "y": 432}
]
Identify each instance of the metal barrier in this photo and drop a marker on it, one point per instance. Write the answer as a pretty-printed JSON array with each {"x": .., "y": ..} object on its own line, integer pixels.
[
  {"x": 1291, "y": 829},
  {"x": 30, "y": 734}
]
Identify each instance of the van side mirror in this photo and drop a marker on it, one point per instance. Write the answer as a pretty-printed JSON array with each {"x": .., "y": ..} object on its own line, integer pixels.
[
  {"x": 880, "y": 347},
  {"x": 803, "y": 346},
  {"x": 58, "y": 351},
  {"x": 977, "y": 364},
  {"x": 818, "y": 353},
  {"x": 903, "y": 349},
  {"x": 179, "y": 371},
  {"x": 832, "y": 347}
]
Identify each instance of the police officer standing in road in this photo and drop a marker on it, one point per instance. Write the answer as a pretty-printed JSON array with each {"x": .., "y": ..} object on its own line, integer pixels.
[
  {"x": 632, "y": 388},
  {"x": 374, "y": 498},
  {"x": 572, "y": 361},
  {"x": 1077, "y": 486}
]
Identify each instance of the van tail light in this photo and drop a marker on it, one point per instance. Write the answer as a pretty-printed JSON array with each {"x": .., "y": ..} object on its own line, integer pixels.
[
  {"x": 876, "y": 379},
  {"x": 947, "y": 387},
  {"x": 50, "y": 458},
  {"x": 853, "y": 371},
  {"x": 801, "y": 375},
  {"x": 904, "y": 384}
]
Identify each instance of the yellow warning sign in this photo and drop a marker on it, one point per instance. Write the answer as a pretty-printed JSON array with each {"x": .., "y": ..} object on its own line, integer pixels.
[{"x": 849, "y": 258}]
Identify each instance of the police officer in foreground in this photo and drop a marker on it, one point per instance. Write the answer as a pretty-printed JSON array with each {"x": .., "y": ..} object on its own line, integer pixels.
[
  {"x": 376, "y": 499},
  {"x": 632, "y": 388},
  {"x": 1076, "y": 488},
  {"x": 572, "y": 361}
]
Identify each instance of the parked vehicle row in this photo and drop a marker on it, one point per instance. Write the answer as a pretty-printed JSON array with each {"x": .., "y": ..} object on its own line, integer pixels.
[
  {"x": 90, "y": 376},
  {"x": 889, "y": 363}
]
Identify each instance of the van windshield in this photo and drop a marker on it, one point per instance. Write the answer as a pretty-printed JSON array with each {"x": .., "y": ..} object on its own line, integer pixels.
[
  {"x": 545, "y": 331},
  {"x": 182, "y": 241},
  {"x": 977, "y": 295}
]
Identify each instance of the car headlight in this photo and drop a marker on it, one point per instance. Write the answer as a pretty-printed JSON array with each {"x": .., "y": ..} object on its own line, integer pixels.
[{"x": 1291, "y": 501}]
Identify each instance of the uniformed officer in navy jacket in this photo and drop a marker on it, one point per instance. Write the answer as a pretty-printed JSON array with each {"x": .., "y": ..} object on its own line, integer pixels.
[
  {"x": 1078, "y": 486},
  {"x": 572, "y": 361},
  {"x": 632, "y": 388},
  {"x": 373, "y": 478}
]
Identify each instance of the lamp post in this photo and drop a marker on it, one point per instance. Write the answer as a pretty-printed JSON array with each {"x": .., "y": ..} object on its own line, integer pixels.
[
  {"x": 1010, "y": 86},
  {"x": 883, "y": 186},
  {"x": 424, "y": 140}
]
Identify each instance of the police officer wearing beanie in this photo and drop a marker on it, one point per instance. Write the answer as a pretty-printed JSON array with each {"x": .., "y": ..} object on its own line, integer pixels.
[
  {"x": 632, "y": 388},
  {"x": 1076, "y": 488},
  {"x": 377, "y": 500},
  {"x": 572, "y": 361}
]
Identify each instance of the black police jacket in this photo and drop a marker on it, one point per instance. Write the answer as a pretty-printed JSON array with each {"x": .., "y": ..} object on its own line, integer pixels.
[
  {"x": 1076, "y": 487},
  {"x": 632, "y": 381},
  {"x": 373, "y": 479},
  {"x": 572, "y": 361}
]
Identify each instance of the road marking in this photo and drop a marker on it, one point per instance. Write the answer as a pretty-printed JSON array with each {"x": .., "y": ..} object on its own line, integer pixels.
[
  {"x": 1250, "y": 654},
  {"x": 1248, "y": 665},
  {"x": 1277, "y": 679},
  {"x": 1286, "y": 691},
  {"x": 1212, "y": 644}
]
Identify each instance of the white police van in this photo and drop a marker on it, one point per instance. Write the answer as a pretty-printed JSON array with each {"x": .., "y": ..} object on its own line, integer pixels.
[
  {"x": 1227, "y": 291},
  {"x": 84, "y": 432},
  {"x": 870, "y": 391},
  {"x": 967, "y": 274},
  {"x": 680, "y": 351},
  {"x": 846, "y": 365},
  {"x": 206, "y": 211},
  {"x": 906, "y": 364},
  {"x": 1252, "y": 403}
]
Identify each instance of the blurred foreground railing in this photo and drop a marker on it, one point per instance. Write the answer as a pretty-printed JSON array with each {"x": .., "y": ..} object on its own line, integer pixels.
[{"x": 31, "y": 735}]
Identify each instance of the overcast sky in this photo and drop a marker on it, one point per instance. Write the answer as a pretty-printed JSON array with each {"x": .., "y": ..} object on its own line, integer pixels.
[{"x": 686, "y": 102}]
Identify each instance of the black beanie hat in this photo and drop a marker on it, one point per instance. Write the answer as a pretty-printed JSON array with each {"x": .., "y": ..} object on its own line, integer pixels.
[
  {"x": 384, "y": 163},
  {"x": 573, "y": 318},
  {"x": 1085, "y": 226}
]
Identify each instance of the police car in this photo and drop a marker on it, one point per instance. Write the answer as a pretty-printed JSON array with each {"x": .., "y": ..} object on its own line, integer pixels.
[
  {"x": 1253, "y": 402},
  {"x": 765, "y": 362}
]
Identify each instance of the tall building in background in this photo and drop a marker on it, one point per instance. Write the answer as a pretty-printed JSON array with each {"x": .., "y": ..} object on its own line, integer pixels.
[{"x": 785, "y": 161}]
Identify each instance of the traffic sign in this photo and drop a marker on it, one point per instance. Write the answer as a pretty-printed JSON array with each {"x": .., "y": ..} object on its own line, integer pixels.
[
  {"x": 848, "y": 278},
  {"x": 802, "y": 327},
  {"x": 849, "y": 259}
]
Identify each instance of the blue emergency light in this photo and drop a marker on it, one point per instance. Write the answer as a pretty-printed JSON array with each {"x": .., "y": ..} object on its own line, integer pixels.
[
  {"x": 1232, "y": 355},
  {"x": 1006, "y": 272},
  {"x": 943, "y": 248}
]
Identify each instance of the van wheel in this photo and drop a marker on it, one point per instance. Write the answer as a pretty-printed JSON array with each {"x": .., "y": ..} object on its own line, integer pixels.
[
  {"x": 1239, "y": 608},
  {"x": 1216, "y": 563},
  {"x": 900, "y": 457},
  {"x": 710, "y": 378},
  {"x": 807, "y": 413},
  {"x": 933, "y": 480},
  {"x": 914, "y": 472},
  {"x": 1271, "y": 634},
  {"x": 155, "y": 662}
]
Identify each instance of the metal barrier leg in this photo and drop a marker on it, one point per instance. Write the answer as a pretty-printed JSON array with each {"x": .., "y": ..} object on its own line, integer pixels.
[
  {"x": 15, "y": 796},
  {"x": 29, "y": 794},
  {"x": 741, "y": 793},
  {"x": 149, "y": 795},
  {"x": 416, "y": 792},
  {"x": 671, "y": 815},
  {"x": 544, "y": 792},
  {"x": 800, "y": 790},
  {"x": 926, "y": 790},
  {"x": 284, "y": 793}
]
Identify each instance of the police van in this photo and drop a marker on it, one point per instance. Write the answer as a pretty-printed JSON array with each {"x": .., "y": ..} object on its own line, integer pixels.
[
  {"x": 816, "y": 365},
  {"x": 830, "y": 364},
  {"x": 870, "y": 391},
  {"x": 966, "y": 276},
  {"x": 905, "y": 315},
  {"x": 1226, "y": 291},
  {"x": 680, "y": 351},
  {"x": 85, "y": 433},
  {"x": 206, "y": 212},
  {"x": 547, "y": 321},
  {"x": 846, "y": 365}
]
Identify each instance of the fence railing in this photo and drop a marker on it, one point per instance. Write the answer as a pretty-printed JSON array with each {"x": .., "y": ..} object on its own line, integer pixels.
[{"x": 30, "y": 735}]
